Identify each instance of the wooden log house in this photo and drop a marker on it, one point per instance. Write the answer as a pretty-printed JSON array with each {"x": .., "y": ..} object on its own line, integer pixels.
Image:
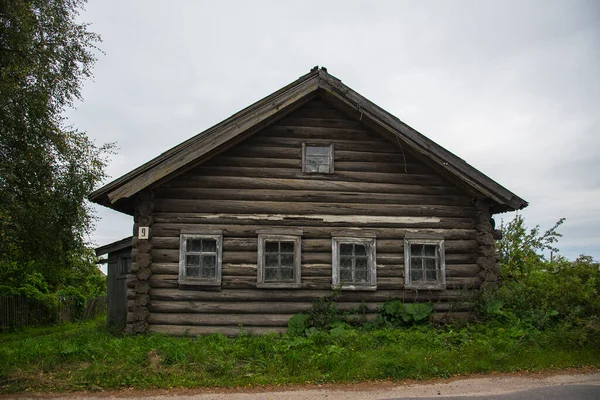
[{"x": 311, "y": 188}]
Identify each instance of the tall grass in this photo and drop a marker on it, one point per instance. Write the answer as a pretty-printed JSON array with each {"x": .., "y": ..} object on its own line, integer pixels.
[{"x": 86, "y": 356}]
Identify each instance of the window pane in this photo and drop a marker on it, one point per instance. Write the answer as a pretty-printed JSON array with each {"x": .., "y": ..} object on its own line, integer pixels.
[
  {"x": 287, "y": 274},
  {"x": 270, "y": 274},
  {"x": 416, "y": 249},
  {"x": 209, "y": 261},
  {"x": 271, "y": 247},
  {"x": 324, "y": 168},
  {"x": 311, "y": 167},
  {"x": 345, "y": 275},
  {"x": 194, "y": 245},
  {"x": 209, "y": 245},
  {"x": 361, "y": 263},
  {"x": 287, "y": 260},
  {"x": 346, "y": 262},
  {"x": 287, "y": 247},
  {"x": 345, "y": 249},
  {"x": 360, "y": 250},
  {"x": 271, "y": 260},
  {"x": 208, "y": 272},
  {"x": 317, "y": 150},
  {"x": 431, "y": 276},
  {"x": 416, "y": 275},
  {"x": 192, "y": 260},
  {"x": 429, "y": 264},
  {"x": 192, "y": 272},
  {"x": 430, "y": 250},
  {"x": 360, "y": 276}
]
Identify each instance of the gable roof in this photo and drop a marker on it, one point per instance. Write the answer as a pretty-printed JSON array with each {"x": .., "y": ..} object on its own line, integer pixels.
[{"x": 318, "y": 82}]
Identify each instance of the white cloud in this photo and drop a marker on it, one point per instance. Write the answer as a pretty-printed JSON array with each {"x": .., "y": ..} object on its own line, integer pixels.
[{"x": 512, "y": 87}]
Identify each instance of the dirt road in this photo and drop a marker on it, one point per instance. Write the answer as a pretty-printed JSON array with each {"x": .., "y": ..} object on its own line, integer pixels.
[{"x": 488, "y": 385}]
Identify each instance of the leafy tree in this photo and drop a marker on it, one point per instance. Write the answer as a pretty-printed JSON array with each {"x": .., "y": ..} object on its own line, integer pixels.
[
  {"x": 521, "y": 249},
  {"x": 47, "y": 167}
]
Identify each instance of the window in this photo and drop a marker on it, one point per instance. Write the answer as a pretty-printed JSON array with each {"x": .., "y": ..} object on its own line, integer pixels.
[
  {"x": 317, "y": 158},
  {"x": 278, "y": 261},
  {"x": 353, "y": 262},
  {"x": 424, "y": 265},
  {"x": 200, "y": 259}
]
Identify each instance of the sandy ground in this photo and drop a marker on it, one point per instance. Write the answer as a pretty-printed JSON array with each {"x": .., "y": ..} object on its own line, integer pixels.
[{"x": 471, "y": 386}]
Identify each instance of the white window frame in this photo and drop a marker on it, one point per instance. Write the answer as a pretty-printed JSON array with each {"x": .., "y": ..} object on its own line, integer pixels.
[
  {"x": 370, "y": 244},
  {"x": 441, "y": 264},
  {"x": 330, "y": 155},
  {"x": 183, "y": 279},
  {"x": 296, "y": 282}
]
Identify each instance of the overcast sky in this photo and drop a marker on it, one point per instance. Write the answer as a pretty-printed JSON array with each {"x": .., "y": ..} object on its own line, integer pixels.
[{"x": 512, "y": 87}]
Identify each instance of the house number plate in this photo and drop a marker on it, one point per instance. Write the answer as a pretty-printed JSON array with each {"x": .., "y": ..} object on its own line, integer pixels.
[{"x": 144, "y": 232}]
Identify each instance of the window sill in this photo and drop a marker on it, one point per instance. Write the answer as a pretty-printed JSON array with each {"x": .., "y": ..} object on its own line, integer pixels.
[
  {"x": 199, "y": 283},
  {"x": 425, "y": 287},
  {"x": 363, "y": 288},
  {"x": 279, "y": 285}
]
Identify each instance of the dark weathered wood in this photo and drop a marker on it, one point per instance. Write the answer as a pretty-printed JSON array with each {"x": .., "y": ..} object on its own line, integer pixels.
[
  {"x": 187, "y": 318},
  {"x": 318, "y": 112},
  {"x": 303, "y": 196},
  {"x": 303, "y": 183},
  {"x": 338, "y": 176},
  {"x": 170, "y": 225},
  {"x": 322, "y": 123},
  {"x": 252, "y": 295},
  {"x": 308, "y": 208},
  {"x": 317, "y": 245},
  {"x": 269, "y": 143},
  {"x": 186, "y": 330}
]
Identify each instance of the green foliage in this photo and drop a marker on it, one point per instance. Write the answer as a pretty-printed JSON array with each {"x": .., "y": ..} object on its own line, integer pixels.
[
  {"x": 47, "y": 168},
  {"x": 298, "y": 324},
  {"x": 521, "y": 249},
  {"x": 397, "y": 313},
  {"x": 324, "y": 311},
  {"x": 540, "y": 292},
  {"x": 86, "y": 357}
]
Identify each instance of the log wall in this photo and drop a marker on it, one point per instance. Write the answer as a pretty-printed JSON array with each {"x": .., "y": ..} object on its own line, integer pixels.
[{"x": 377, "y": 186}]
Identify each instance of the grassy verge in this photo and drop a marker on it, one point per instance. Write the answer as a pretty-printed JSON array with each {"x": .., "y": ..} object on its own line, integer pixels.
[{"x": 85, "y": 356}]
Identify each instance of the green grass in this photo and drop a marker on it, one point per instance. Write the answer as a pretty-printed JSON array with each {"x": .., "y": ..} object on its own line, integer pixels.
[{"x": 87, "y": 357}]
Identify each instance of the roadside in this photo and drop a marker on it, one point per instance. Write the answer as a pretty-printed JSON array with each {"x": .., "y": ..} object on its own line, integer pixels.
[{"x": 496, "y": 384}]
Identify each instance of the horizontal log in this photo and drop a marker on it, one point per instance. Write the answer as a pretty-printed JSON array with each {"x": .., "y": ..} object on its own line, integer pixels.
[
  {"x": 185, "y": 330},
  {"x": 227, "y": 319},
  {"x": 200, "y": 193},
  {"x": 240, "y": 161},
  {"x": 310, "y": 270},
  {"x": 169, "y": 225},
  {"x": 321, "y": 123},
  {"x": 310, "y": 208},
  {"x": 250, "y": 257},
  {"x": 313, "y": 282},
  {"x": 317, "y": 112},
  {"x": 256, "y": 313},
  {"x": 296, "y": 153},
  {"x": 379, "y": 146},
  {"x": 321, "y": 183},
  {"x": 259, "y": 173},
  {"x": 301, "y": 295}
]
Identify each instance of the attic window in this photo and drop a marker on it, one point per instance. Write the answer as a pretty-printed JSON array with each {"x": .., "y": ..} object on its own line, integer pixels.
[{"x": 317, "y": 158}]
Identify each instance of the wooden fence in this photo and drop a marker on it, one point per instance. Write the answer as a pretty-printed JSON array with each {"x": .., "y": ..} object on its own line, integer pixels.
[{"x": 19, "y": 311}]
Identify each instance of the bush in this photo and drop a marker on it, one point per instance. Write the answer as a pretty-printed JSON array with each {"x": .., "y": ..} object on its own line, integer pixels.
[{"x": 540, "y": 292}]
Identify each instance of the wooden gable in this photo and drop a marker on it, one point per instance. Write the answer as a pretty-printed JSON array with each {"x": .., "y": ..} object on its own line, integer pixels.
[{"x": 268, "y": 111}]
